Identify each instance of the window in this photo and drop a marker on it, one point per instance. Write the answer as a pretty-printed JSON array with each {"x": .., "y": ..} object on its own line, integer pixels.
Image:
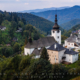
[
  {"x": 58, "y": 37},
  {"x": 58, "y": 31},
  {"x": 68, "y": 43}
]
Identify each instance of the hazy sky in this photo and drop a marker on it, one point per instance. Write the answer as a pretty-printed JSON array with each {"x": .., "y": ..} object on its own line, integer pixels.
[{"x": 20, "y": 5}]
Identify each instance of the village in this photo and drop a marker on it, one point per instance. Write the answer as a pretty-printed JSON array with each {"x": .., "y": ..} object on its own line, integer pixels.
[{"x": 57, "y": 53}]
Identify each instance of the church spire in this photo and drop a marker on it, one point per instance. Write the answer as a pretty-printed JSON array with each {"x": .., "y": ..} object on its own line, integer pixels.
[{"x": 56, "y": 26}]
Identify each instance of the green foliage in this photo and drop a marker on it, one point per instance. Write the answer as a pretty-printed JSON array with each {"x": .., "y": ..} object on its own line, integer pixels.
[
  {"x": 63, "y": 38},
  {"x": 44, "y": 54},
  {"x": 25, "y": 62},
  {"x": 43, "y": 25},
  {"x": 39, "y": 67},
  {"x": 7, "y": 51},
  {"x": 16, "y": 47}
]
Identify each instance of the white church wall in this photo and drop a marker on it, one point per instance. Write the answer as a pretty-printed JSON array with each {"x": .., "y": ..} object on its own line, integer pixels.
[
  {"x": 61, "y": 54},
  {"x": 28, "y": 51}
]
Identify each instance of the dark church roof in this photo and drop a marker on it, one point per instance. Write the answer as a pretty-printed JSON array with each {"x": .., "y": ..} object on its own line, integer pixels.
[
  {"x": 58, "y": 47},
  {"x": 70, "y": 52},
  {"x": 56, "y": 26},
  {"x": 42, "y": 42}
]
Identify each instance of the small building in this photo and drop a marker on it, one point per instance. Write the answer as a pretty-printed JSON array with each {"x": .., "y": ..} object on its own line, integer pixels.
[
  {"x": 2, "y": 28},
  {"x": 15, "y": 39},
  {"x": 73, "y": 41},
  {"x": 19, "y": 30},
  {"x": 58, "y": 54}
]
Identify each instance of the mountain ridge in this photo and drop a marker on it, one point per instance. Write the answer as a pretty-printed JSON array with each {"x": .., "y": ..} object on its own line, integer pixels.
[{"x": 64, "y": 15}]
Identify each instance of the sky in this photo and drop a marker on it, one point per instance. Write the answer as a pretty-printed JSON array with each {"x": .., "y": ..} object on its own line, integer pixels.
[{"x": 21, "y": 5}]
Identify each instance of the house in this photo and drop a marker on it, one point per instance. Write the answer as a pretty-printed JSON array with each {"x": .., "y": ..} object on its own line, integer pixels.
[
  {"x": 73, "y": 41},
  {"x": 2, "y": 28},
  {"x": 15, "y": 39},
  {"x": 19, "y": 30},
  {"x": 58, "y": 54}
]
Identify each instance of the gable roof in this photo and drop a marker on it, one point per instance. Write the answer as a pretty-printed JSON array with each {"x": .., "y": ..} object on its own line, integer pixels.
[
  {"x": 70, "y": 52},
  {"x": 37, "y": 52},
  {"x": 42, "y": 42},
  {"x": 2, "y": 27},
  {"x": 58, "y": 47},
  {"x": 72, "y": 38}
]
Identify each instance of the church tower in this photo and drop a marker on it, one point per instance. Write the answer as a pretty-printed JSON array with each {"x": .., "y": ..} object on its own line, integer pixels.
[{"x": 56, "y": 32}]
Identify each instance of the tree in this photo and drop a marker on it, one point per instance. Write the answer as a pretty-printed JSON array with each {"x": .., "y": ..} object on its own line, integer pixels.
[
  {"x": 26, "y": 41},
  {"x": 44, "y": 54},
  {"x": 1, "y": 18},
  {"x": 16, "y": 47},
  {"x": 0, "y": 36},
  {"x": 40, "y": 68}
]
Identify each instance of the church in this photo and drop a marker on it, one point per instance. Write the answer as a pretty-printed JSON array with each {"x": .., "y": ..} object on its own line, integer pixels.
[{"x": 57, "y": 53}]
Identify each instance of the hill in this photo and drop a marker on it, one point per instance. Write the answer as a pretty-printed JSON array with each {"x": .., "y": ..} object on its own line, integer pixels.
[
  {"x": 70, "y": 24},
  {"x": 64, "y": 15},
  {"x": 41, "y": 10},
  {"x": 74, "y": 28},
  {"x": 39, "y": 22}
]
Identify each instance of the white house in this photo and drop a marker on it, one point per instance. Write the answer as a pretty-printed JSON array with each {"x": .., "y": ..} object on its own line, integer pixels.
[
  {"x": 2, "y": 28},
  {"x": 73, "y": 41},
  {"x": 58, "y": 54}
]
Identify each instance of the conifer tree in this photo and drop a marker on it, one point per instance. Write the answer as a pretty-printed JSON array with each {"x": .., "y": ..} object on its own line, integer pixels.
[
  {"x": 44, "y": 54},
  {"x": 26, "y": 41}
]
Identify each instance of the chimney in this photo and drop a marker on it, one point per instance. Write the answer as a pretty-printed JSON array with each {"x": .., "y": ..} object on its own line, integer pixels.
[
  {"x": 71, "y": 34},
  {"x": 76, "y": 40},
  {"x": 55, "y": 46}
]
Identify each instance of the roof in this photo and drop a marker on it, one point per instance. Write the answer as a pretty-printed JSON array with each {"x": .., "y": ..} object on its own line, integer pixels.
[
  {"x": 58, "y": 47},
  {"x": 42, "y": 42},
  {"x": 70, "y": 52},
  {"x": 37, "y": 52},
  {"x": 2, "y": 27},
  {"x": 56, "y": 26},
  {"x": 72, "y": 38}
]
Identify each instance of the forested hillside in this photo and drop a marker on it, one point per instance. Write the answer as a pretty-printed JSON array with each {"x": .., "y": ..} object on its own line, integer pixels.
[
  {"x": 40, "y": 23},
  {"x": 11, "y": 40},
  {"x": 70, "y": 24},
  {"x": 74, "y": 28}
]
